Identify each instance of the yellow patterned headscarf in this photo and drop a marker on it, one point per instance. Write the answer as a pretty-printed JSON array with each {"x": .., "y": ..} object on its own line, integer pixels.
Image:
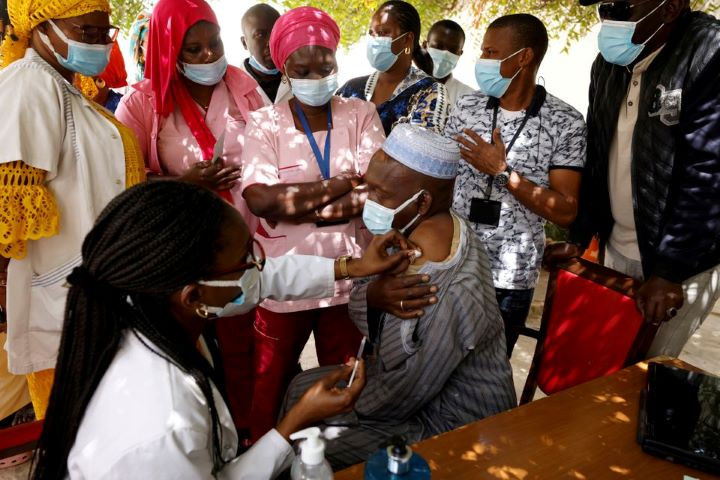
[{"x": 25, "y": 15}]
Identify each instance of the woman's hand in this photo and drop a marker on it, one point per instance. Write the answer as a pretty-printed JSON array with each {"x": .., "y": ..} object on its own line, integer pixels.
[
  {"x": 324, "y": 399},
  {"x": 376, "y": 259},
  {"x": 212, "y": 175},
  {"x": 402, "y": 297}
]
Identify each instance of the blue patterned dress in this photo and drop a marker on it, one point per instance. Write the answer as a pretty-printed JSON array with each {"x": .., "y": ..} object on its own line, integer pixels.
[{"x": 418, "y": 99}]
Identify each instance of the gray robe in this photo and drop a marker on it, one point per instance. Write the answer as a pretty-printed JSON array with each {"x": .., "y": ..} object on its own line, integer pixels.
[{"x": 429, "y": 375}]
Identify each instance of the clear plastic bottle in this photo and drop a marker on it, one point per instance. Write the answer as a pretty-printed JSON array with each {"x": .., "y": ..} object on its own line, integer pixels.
[{"x": 311, "y": 463}]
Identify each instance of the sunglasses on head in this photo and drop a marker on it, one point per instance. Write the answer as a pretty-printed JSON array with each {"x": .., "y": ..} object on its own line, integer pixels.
[{"x": 620, "y": 10}]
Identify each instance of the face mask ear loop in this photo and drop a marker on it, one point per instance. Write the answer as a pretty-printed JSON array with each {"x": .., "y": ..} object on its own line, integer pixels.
[
  {"x": 417, "y": 217},
  {"x": 656, "y": 32},
  {"x": 510, "y": 56},
  {"x": 399, "y": 37},
  {"x": 646, "y": 16}
]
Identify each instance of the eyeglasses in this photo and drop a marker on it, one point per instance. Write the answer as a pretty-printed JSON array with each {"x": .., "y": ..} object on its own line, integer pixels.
[
  {"x": 620, "y": 10},
  {"x": 256, "y": 256},
  {"x": 92, "y": 34}
]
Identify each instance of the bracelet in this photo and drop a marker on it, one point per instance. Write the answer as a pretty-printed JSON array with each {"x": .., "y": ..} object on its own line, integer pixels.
[{"x": 343, "y": 265}]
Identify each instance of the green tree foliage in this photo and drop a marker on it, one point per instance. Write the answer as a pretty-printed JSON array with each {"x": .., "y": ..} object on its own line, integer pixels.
[
  {"x": 565, "y": 19},
  {"x": 125, "y": 11},
  {"x": 353, "y": 16}
]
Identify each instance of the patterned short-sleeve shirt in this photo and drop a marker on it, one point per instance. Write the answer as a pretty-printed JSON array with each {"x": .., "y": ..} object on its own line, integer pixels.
[{"x": 555, "y": 138}]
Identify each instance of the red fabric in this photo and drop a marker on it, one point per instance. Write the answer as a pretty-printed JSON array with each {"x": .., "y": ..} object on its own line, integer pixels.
[
  {"x": 302, "y": 27},
  {"x": 279, "y": 340},
  {"x": 236, "y": 338},
  {"x": 115, "y": 75},
  {"x": 19, "y": 435},
  {"x": 590, "y": 333},
  {"x": 170, "y": 21}
]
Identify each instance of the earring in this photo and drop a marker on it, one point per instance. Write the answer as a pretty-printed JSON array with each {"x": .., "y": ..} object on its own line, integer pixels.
[
  {"x": 202, "y": 312},
  {"x": 407, "y": 50},
  {"x": 100, "y": 83}
]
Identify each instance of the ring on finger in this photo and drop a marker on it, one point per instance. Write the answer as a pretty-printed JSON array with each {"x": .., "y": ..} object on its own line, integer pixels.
[
  {"x": 402, "y": 308},
  {"x": 671, "y": 312}
]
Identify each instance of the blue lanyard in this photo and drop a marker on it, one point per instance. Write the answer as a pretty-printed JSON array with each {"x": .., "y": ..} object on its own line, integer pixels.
[{"x": 323, "y": 161}]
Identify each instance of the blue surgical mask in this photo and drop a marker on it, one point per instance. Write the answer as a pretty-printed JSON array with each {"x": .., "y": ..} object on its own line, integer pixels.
[
  {"x": 249, "y": 282},
  {"x": 444, "y": 62},
  {"x": 488, "y": 76},
  {"x": 84, "y": 58},
  {"x": 261, "y": 68},
  {"x": 379, "y": 52},
  {"x": 615, "y": 40},
  {"x": 379, "y": 220},
  {"x": 207, "y": 74},
  {"x": 314, "y": 92}
]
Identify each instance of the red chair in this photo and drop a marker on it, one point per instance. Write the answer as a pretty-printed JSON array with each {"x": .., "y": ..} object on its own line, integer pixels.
[
  {"x": 590, "y": 328},
  {"x": 18, "y": 439}
]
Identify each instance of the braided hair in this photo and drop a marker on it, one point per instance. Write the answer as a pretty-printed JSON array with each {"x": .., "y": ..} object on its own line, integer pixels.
[
  {"x": 149, "y": 242},
  {"x": 408, "y": 19}
]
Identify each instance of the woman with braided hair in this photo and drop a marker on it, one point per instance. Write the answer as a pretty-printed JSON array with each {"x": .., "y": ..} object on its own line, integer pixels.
[{"x": 134, "y": 397}]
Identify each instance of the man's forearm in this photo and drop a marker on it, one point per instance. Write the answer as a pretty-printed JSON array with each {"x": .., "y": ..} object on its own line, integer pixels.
[{"x": 545, "y": 202}]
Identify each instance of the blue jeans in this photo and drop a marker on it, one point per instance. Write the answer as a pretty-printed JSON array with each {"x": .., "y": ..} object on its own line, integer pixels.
[{"x": 514, "y": 308}]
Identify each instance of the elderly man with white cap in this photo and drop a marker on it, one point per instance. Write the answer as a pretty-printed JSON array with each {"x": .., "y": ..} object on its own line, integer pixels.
[{"x": 449, "y": 367}]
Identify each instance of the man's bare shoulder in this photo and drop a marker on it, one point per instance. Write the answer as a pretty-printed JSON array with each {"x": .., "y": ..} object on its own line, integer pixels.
[{"x": 434, "y": 237}]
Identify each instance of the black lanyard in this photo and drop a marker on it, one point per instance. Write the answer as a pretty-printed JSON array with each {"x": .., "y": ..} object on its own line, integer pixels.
[
  {"x": 323, "y": 161},
  {"x": 509, "y": 147}
]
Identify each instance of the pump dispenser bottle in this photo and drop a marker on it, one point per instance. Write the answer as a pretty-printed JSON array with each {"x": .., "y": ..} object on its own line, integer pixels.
[{"x": 311, "y": 463}]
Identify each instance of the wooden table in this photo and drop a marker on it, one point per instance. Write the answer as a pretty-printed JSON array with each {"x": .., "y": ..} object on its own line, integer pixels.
[{"x": 585, "y": 432}]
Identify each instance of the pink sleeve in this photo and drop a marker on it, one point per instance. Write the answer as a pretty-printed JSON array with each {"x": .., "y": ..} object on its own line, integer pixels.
[
  {"x": 371, "y": 136},
  {"x": 135, "y": 110},
  {"x": 260, "y": 152}
]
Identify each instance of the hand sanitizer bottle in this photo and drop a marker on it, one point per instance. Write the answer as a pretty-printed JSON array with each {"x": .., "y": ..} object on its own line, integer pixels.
[{"x": 311, "y": 463}]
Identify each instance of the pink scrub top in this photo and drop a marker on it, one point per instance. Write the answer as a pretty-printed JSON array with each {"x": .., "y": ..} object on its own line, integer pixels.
[
  {"x": 170, "y": 147},
  {"x": 276, "y": 152}
]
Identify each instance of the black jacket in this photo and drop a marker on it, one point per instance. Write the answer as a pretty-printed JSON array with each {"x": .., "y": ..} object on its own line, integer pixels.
[{"x": 676, "y": 153}]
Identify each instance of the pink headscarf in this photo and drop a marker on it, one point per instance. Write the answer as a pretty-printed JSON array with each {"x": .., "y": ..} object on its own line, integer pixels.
[
  {"x": 302, "y": 27},
  {"x": 170, "y": 21}
]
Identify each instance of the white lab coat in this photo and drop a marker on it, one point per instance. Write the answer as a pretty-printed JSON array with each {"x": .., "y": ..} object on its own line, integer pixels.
[{"x": 149, "y": 419}]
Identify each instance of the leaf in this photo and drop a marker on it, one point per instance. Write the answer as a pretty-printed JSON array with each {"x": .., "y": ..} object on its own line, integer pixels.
[{"x": 565, "y": 20}]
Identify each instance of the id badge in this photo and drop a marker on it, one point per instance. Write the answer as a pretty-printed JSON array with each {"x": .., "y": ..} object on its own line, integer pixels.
[{"x": 485, "y": 211}]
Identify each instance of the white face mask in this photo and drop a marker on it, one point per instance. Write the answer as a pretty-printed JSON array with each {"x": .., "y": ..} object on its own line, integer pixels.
[
  {"x": 84, "y": 58},
  {"x": 208, "y": 74},
  {"x": 249, "y": 282},
  {"x": 444, "y": 62},
  {"x": 314, "y": 92},
  {"x": 379, "y": 219}
]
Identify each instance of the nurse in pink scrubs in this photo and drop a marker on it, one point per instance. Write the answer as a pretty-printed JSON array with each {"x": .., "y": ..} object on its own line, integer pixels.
[
  {"x": 303, "y": 165},
  {"x": 189, "y": 99}
]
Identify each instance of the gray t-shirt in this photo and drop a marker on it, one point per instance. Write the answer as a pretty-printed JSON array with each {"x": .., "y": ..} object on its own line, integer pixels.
[{"x": 555, "y": 138}]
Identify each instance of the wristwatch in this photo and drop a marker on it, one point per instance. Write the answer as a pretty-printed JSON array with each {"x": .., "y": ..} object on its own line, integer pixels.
[{"x": 502, "y": 178}]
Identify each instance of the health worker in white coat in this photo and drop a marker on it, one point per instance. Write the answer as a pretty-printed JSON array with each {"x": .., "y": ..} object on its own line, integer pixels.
[{"x": 134, "y": 397}]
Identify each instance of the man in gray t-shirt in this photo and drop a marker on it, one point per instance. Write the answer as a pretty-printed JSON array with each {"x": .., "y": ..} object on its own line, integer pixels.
[{"x": 523, "y": 151}]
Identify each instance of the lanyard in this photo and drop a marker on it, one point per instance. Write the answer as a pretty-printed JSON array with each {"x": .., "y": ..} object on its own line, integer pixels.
[
  {"x": 322, "y": 160},
  {"x": 509, "y": 147}
]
